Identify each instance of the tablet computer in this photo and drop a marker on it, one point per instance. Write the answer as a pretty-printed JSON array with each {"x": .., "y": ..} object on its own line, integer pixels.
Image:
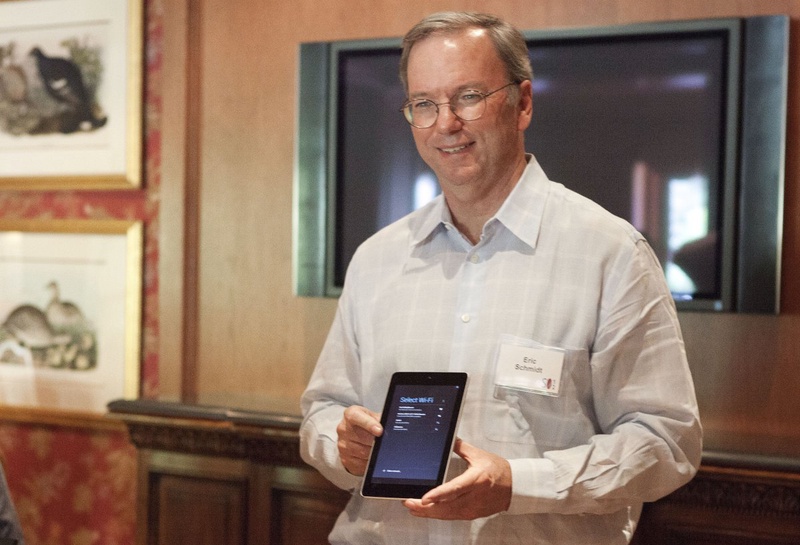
[{"x": 419, "y": 419}]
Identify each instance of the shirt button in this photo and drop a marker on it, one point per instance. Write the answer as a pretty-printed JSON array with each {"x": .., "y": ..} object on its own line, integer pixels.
[
  {"x": 465, "y": 318},
  {"x": 474, "y": 258}
]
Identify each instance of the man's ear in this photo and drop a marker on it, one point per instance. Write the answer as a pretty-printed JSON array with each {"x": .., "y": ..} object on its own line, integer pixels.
[{"x": 525, "y": 105}]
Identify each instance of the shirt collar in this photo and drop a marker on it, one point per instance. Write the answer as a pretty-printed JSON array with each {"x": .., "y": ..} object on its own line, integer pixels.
[
  {"x": 521, "y": 213},
  {"x": 431, "y": 217}
]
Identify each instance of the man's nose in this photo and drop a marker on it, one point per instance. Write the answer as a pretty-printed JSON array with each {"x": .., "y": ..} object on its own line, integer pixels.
[{"x": 447, "y": 120}]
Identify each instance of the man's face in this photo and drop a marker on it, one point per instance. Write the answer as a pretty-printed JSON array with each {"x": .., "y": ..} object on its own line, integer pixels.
[{"x": 460, "y": 152}]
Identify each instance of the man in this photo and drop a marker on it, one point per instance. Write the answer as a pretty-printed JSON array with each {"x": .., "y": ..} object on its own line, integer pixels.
[{"x": 505, "y": 259}]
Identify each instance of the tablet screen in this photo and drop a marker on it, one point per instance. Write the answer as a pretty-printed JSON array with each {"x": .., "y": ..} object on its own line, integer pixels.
[{"x": 419, "y": 420}]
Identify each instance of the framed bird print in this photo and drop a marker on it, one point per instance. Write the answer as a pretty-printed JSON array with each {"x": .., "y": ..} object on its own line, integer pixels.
[
  {"x": 71, "y": 94},
  {"x": 69, "y": 312}
]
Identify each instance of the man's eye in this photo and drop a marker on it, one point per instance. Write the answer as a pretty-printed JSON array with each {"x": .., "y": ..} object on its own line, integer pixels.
[
  {"x": 469, "y": 97},
  {"x": 422, "y": 105}
]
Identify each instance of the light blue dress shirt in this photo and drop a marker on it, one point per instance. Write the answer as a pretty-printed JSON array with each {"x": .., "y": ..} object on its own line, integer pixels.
[{"x": 551, "y": 268}]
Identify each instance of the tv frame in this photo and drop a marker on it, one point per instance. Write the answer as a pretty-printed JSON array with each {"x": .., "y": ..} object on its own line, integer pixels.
[{"x": 753, "y": 173}]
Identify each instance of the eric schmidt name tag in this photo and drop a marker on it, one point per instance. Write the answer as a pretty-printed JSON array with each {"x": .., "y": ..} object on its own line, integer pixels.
[{"x": 529, "y": 366}]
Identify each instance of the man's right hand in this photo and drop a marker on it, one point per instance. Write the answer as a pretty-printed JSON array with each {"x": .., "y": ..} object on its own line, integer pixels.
[{"x": 357, "y": 431}]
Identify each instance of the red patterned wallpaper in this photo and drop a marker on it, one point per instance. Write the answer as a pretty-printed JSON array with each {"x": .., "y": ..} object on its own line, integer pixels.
[
  {"x": 74, "y": 486},
  {"x": 71, "y": 487}
]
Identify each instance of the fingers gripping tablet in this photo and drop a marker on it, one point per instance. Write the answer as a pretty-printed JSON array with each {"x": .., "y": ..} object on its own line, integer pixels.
[{"x": 419, "y": 419}]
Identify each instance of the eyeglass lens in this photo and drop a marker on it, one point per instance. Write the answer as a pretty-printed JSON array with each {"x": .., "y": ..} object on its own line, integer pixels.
[{"x": 468, "y": 106}]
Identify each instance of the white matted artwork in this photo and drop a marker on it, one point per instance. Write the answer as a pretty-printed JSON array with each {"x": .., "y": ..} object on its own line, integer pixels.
[
  {"x": 70, "y": 308},
  {"x": 70, "y": 94}
]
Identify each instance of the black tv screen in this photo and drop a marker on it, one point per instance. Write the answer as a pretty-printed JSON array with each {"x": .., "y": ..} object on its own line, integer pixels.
[
  {"x": 647, "y": 120},
  {"x": 637, "y": 124}
]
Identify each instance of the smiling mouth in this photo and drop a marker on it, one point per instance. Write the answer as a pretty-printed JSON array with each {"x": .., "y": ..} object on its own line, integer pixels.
[{"x": 455, "y": 149}]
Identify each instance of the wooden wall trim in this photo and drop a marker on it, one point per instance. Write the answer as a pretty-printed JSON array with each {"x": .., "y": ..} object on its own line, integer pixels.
[
  {"x": 60, "y": 418},
  {"x": 269, "y": 445},
  {"x": 180, "y": 199},
  {"x": 743, "y": 491},
  {"x": 171, "y": 205},
  {"x": 192, "y": 200},
  {"x": 726, "y": 505}
]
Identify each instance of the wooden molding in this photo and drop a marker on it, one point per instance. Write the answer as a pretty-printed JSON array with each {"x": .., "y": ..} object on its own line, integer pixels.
[
  {"x": 742, "y": 491},
  {"x": 274, "y": 446},
  {"x": 60, "y": 418}
]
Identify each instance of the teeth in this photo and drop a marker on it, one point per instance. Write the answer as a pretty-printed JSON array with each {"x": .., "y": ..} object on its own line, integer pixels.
[{"x": 453, "y": 150}]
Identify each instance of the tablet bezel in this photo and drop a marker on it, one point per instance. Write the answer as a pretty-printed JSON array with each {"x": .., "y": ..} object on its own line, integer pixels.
[{"x": 370, "y": 489}]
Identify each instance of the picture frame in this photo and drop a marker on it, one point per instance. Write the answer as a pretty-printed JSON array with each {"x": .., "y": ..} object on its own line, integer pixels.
[
  {"x": 71, "y": 74},
  {"x": 70, "y": 312}
]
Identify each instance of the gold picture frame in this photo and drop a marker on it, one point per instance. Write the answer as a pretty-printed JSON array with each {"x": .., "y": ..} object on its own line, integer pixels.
[
  {"x": 78, "y": 354},
  {"x": 71, "y": 74}
]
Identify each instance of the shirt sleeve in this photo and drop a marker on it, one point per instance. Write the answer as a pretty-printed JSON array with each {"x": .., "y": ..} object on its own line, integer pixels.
[
  {"x": 330, "y": 390},
  {"x": 649, "y": 440}
]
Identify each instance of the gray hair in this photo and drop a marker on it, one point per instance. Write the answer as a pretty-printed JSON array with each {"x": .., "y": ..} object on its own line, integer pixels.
[{"x": 508, "y": 41}]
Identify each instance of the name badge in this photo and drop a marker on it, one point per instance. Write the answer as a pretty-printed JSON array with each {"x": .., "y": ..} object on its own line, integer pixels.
[{"x": 534, "y": 369}]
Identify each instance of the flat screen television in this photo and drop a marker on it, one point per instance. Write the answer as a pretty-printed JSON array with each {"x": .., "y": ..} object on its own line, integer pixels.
[{"x": 678, "y": 127}]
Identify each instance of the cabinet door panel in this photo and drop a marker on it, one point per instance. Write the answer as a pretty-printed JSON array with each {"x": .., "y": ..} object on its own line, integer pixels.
[
  {"x": 303, "y": 518},
  {"x": 201, "y": 511}
]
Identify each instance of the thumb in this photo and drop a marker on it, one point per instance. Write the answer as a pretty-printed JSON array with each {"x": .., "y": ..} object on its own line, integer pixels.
[{"x": 464, "y": 449}]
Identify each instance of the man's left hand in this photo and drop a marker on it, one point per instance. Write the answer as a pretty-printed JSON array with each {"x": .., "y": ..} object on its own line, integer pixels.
[{"x": 482, "y": 490}]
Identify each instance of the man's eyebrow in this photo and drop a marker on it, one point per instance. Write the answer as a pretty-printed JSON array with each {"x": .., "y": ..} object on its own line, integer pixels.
[{"x": 472, "y": 86}]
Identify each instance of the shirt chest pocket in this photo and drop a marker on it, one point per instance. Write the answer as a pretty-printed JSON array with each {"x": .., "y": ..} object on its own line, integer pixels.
[{"x": 541, "y": 421}]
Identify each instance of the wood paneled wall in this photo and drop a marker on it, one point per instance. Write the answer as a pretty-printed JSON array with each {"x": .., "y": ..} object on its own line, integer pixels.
[{"x": 229, "y": 320}]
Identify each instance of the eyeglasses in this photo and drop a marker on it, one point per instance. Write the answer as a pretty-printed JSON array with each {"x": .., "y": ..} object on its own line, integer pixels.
[{"x": 467, "y": 105}]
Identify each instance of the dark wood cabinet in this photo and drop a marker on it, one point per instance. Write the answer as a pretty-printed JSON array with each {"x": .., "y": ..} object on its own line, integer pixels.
[
  {"x": 217, "y": 478},
  {"x": 209, "y": 500},
  {"x": 213, "y": 480},
  {"x": 727, "y": 506},
  {"x": 183, "y": 503},
  {"x": 186, "y": 498},
  {"x": 304, "y": 506}
]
